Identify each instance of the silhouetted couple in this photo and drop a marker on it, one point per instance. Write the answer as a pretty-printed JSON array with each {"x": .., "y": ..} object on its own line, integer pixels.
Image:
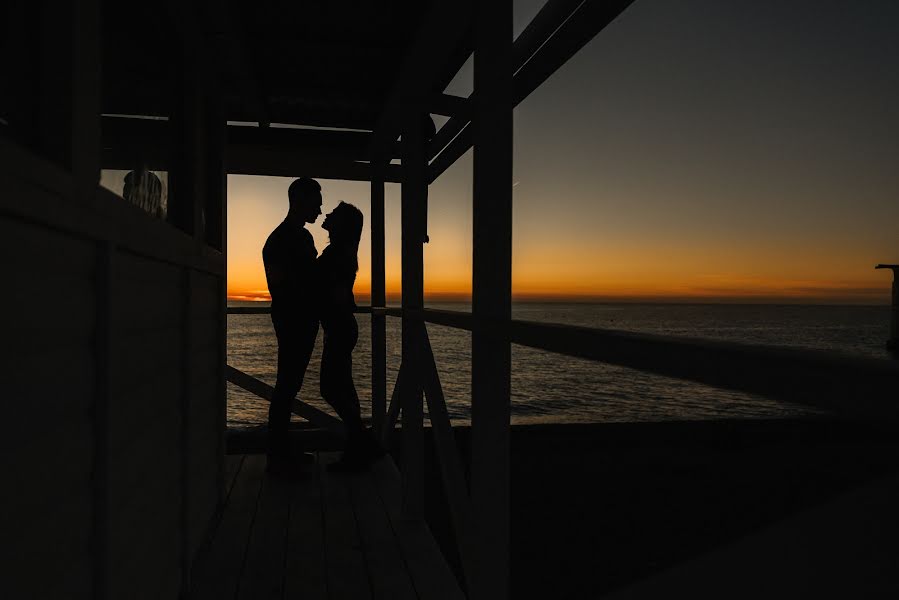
[{"x": 306, "y": 290}]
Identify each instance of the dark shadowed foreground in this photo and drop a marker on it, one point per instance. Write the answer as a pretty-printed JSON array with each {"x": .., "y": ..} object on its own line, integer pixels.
[{"x": 734, "y": 509}]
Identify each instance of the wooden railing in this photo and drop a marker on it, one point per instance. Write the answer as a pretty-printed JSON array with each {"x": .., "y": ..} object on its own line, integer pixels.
[{"x": 854, "y": 387}]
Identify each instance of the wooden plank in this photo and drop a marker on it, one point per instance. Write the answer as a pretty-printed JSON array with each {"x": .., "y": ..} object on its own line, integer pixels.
[
  {"x": 217, "y": 574},
  {"x": 39, "y": 325},
  {"x": 588, "y": 20},
  {"x": 346, "y": 570},
  {"x": 541, "y": 28},
  {"x": 453, "y": 152},
  {"x": 64, "y": 449},
  {"x": 448, "y": 133},
  {"x": 386, "y": 566},
  {"x": 378, "y": 299},
  {"x": 452, "y": 473},
  {"x": 393, "y": 410},
  {"x": 275, "y": 162},
  {"x": 123, "y": 135},
  {"x": 233, "y": 465},
  {"x": 305, "y": 574},
  {"x": 414, "y": 228},
  {"x": 263, "y": 576},
  {"x": 491, "y": 359},
  {"x": 65, "y": 395},
  {"x": 144, "y": 534},
  {"x": 149, "y": 359},
  {"x": 855, "y": 386},
  {"x": 31, "y": 518},
  {"x": 431, "y": 576},
  {"x": 66, "y": 257},
  {"x": 298, "y": 407}
]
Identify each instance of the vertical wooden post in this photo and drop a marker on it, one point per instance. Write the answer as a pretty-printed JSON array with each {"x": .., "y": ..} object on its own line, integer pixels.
[
  {"x": 186, "y": 206},
  {"x": 414, "y": 197},
  {"x": 893, "y": 341},
  {"x": 217, "y": 219},
  {"x": 378, "y": 300},
  {"x": 68, "y": 115},
  {"x": 491, "y": 295}
]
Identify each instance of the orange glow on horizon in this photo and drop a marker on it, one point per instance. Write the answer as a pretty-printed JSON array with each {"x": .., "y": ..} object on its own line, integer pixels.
[
  {"x": 564, "y": 256},
  {"x": 697, "y": 290}
]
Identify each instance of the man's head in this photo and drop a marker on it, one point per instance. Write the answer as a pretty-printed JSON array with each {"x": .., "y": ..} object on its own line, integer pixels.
[{"x": 305, "y": 196}]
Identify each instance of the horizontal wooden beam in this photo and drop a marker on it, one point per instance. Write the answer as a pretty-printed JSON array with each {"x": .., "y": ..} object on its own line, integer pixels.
[
  {"x": 544, "y": 24},
  {"x": 251, "y": 160},
  {"x": 130, "y": 143},
  {"x": 582, "y": 26},
  {"x": 553, "y": 14},
  {"x": 153, "y": 135},
  {"x": 459, "y": 146},
  {"x": 856, "y": 387},
  {"x": 130, "y": 95},
  {"x": 559, "y": 30},
  {"x": 297, "y": 406},
  {"x": 449, "y": 106}
]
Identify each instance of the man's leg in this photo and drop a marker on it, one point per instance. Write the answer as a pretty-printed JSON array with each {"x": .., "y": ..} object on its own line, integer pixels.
[{"x": 294, "y": 351}]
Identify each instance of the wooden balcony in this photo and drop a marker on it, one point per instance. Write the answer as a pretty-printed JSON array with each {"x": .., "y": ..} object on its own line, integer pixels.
[{"x": 322, "y": 535}]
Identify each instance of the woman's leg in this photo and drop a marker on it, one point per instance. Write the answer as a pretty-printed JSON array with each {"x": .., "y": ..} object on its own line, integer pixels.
[{"x": 337, "y": 386}]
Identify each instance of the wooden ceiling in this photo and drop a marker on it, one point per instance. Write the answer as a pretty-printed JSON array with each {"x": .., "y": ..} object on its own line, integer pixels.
[{"x": 324, "y": 64}]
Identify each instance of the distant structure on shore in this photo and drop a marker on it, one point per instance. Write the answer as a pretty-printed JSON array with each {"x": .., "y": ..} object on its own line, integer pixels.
[{"x": 893, "y": 342}]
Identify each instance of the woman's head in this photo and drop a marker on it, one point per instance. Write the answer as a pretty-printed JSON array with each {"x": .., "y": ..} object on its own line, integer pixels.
[{"x": 344, "y": 224}]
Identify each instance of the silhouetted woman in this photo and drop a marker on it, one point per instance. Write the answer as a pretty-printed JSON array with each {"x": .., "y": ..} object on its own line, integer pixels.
[{"x": 337, "y": 268}]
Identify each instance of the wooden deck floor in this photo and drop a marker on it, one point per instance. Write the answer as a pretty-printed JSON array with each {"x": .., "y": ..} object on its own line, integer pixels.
[{"x": 325, "y": 536}]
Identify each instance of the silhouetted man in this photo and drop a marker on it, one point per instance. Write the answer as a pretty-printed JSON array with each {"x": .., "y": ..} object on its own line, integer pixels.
[{"x": 289, "y": 255}]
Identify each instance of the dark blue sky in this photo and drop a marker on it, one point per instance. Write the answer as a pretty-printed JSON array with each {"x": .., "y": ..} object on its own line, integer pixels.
[{"x": 715, "y": 149}]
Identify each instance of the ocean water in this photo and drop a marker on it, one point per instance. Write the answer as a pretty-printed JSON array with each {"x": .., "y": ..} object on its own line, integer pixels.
[{"x": 552, "y": 388}]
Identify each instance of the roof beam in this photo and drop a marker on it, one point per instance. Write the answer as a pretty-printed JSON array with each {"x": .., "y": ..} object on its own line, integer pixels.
[
  {"x": 251, "y": 89},
  {"x": 445, "y": 28},
  {"x": 589, "y": 19},
  {"x": 558, "y": 32},
  {"x": 132, "y": 143},
  {"x": 553, "y": 14},
  {"x": 449, "y": 106},
  {"x": 151, "y": 136},
  {"x": 242, "y": 160}
]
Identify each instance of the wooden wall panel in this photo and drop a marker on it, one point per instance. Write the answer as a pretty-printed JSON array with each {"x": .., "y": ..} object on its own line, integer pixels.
[
  {"x": 49, "y": 382},
  {"x": 206, "y": 329}
]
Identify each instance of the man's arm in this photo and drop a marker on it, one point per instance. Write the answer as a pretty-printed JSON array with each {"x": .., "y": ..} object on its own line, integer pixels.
[{"x": 276, "y": 273}]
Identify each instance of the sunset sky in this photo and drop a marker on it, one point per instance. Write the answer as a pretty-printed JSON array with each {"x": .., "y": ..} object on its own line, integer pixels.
[{"x": 694, "y": 150}]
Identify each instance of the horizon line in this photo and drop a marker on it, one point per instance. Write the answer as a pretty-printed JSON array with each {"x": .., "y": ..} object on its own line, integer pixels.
[{"x": 598, "y": 299}]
